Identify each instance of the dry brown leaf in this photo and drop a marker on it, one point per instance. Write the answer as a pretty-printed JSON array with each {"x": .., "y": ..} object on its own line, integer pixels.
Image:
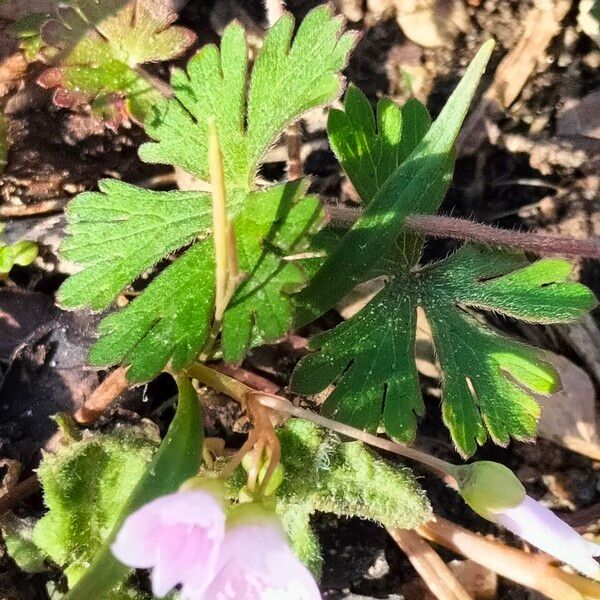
[
  {"x": 541, "y": 25},
  {"x": 569, "y": 417},
  {"x": 429, "y": 23},
  {"x": 587, "y": 22},
  {"x": 432, "y": 569},
  {"x": 531, "y": 570}
]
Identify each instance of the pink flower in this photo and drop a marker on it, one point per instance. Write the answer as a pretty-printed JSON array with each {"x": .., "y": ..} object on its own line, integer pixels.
[
  {"x": 256, "y": 563},
  {"x": 544, "y": 530},
  {"x": 178, "y": 536}
]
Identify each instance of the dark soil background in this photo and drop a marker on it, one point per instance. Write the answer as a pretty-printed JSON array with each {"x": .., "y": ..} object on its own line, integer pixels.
[{"x": 530, "y": 165}]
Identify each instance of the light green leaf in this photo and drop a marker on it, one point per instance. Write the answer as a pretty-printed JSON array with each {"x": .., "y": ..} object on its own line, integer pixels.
[
  {"x": 415, "y": 124},
  {"x": 367, "y": 149},
  {"x": 178, "y": 458},
  {"x": 418, "y": 185},
  {"x": 322, "y": 473},
  {"x": 117, "y": 235},
  {"x": 120, "y": 232},
  {"x": 104, "y": 468},
  {"x": 273, "y": 224},
  {"x": 287, "y": 79},
  {"x": 370, "y": 357},
  {"x": 24, "y": 253},
  {"x": 170, "y": 321}
]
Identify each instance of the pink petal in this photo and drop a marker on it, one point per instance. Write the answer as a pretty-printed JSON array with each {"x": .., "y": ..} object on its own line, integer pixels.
[
  {"x": 544, "y": 530},
  {"x": 256, "y": 563},
  {"x": 179, "y": 536}
]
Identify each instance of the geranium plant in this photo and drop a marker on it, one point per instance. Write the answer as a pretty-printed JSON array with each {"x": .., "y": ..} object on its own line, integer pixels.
[{"x": 246, "y": 265}]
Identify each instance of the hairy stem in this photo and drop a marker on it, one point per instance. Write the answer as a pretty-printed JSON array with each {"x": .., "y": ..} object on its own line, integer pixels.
[
  {"x": 543, "y": 245},
  {"x": 439, "y": 226}
]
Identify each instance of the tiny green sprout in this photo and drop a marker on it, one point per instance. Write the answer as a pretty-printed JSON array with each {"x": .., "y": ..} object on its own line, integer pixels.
[
  {"x": 488, "y": 487},
  {"x": 21, "y": 253}
]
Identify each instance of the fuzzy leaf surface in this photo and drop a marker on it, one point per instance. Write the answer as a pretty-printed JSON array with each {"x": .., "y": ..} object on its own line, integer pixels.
[
  {"x": 104, "y": 468},
  {"x": 324, "y": 474},
  {"x": 171, "y": 319},
  {"x": 99, "y": 43},
  {"x": 122, "y": 231},
  {"x": 273, "y": 224},
  {"x": 178, "y": 458},
  {"x": 370, "y": 357},
  {"x": 251, "y": 110}
]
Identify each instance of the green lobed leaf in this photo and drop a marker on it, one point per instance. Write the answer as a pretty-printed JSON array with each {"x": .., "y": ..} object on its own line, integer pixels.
[
  {"x": 120, "y": 232},
  {"x": 418, "y": 185},
  {"x": 99, "y": 43},
  {"x": 287, "y": 79},
  {"x": 171, "y": 320},
  {"x": 370, "y": 357},
  {"x": 178, "y": 458},
  {"x": 366, "y": 146},
  {"x": 273, "y": 224}
]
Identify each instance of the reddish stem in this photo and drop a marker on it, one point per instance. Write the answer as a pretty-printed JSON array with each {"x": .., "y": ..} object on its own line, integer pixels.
[{"x": 544, "y": 245}]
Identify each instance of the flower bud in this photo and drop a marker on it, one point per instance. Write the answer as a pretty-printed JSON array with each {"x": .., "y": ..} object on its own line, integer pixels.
[{"x": 488, "y": 487}]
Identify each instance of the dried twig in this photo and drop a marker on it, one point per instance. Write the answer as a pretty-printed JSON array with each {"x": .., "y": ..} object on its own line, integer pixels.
[
  {"x": 432, "y": 569},
  {"x": 532, "y": 571},
  {"x": 103, "y": 396}
]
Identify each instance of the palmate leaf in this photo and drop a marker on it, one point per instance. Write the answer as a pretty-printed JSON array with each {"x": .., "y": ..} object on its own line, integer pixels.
[
  {"x": 171, "y": 319},
  {"x": 417, "y": 185},
  {"x": 287, "y": 79},
  {"x": 98, "y": 44},
  {"x": 121, "y": 232},
  {"x": 486, "y": 376}
]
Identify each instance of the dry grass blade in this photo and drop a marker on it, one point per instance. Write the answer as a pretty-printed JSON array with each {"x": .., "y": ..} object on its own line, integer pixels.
[
  {"x": 532, "y": 571},
  {"x": 433, "y": 570}
]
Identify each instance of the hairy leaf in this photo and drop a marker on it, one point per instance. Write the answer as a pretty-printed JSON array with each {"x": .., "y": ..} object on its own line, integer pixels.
[
  {"x": 324, "y": 474},
  {"x": 370, "y": 357},
  {"x": 287, "y": 79},
  {"x": 272, "y": 225},
  {"x": 178, "y": 458},
  {"x": 98, "y": 44},
  {"x": 104, "y": 468},
  {"x": 418, "y": 185},
  {"x": 121, "y": 232},
  {"x": 171, "y": 320}
]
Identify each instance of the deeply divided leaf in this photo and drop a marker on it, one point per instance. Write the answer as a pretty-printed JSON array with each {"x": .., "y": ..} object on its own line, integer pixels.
[
  {"x": 122, "y": 232},
  {"x": 289, "y": 77},
  {"x": 418, "y": 185},
  {"x": 370, "y": 357}
]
